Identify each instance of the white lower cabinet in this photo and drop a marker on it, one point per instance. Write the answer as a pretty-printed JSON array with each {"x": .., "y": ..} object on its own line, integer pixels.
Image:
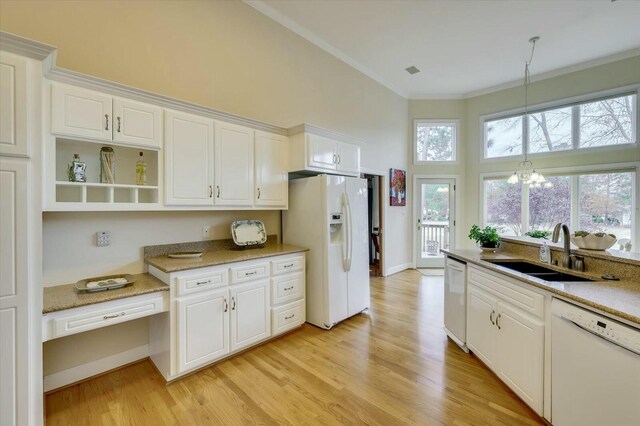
[
  {"x": 249, "y": 314},
  {"x": 219, "y": 310},
  {"x": 203, "y": 328},
  {"x": 508, "y": 339}
]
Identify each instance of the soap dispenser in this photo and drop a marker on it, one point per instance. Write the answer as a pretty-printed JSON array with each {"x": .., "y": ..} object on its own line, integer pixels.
[{"x": 545, "y": 253}]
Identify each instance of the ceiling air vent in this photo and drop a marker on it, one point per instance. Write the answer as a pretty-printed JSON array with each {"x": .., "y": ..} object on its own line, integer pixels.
[{"x": 412, "y": 70}]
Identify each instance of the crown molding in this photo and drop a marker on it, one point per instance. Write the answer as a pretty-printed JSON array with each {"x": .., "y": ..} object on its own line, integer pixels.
[
  {"x": 25, "y": 47},
  {"x": 288, "y": 23},
  {"x": 310, "y": 128},
  {"x": 539, "y": 77}
]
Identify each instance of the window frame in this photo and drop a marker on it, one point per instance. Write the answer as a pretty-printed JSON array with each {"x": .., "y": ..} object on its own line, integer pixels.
[
  {"x": 455, "y": 123},
  {"x": 574, "y": 103},
  {"x": 574, "y": 172}
]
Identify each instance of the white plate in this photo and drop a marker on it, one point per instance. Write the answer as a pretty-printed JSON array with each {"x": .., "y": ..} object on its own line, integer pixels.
[{"x": 248, "y": 232}]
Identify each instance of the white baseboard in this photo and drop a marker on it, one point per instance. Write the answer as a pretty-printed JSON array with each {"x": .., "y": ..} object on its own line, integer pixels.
[
  {"x": 399, "y": 268},
  {"x": 93, "y": 368}
]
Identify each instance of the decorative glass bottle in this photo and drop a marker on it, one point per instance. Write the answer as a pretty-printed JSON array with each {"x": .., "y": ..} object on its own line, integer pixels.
[
  {"x": 76, "y": 171},
  {"x": 141, "y": 171},
  {"x": 107, "y": 165}
]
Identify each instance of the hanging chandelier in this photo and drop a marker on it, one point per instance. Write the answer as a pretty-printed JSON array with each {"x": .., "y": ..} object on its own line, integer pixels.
[{"x": 526, "y": 173}]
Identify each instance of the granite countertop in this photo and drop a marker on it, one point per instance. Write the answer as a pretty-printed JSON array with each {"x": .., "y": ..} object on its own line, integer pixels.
[
  {"x": 620, "y": 298},
  {"x": 220, "y": 256},
  {"x": 61, "y": 297}
]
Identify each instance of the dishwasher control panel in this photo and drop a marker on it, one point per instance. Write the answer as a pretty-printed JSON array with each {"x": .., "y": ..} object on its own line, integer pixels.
[{"x": 607, "y": 328}]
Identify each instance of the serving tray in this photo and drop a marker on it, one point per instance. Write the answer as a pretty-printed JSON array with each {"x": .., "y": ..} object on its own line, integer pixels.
[
  {"x": 107, "y": 282},
  {"x": 248, "y": 233}
]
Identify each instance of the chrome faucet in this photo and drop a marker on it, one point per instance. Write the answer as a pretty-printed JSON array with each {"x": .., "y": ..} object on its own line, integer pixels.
[{"x": 566, "y": 255}]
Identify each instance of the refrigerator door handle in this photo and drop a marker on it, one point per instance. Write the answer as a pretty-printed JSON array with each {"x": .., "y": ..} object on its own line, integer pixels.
[
  {"x": 350, "y": 234},
  {"x": 345, "y": 243}
]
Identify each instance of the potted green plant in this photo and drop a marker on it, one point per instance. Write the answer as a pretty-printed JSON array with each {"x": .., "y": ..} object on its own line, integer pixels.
[
  {"x": 537, "y": 233},
  {"x": 487, "y": 238}
]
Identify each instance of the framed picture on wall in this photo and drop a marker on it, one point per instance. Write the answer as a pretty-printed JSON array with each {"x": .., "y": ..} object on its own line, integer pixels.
[{"x": 397, "y": 187}]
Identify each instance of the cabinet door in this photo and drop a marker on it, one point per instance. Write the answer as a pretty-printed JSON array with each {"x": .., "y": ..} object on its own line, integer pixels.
[
  {"x": 14, "y": 301},
  {"x": 348, "y": 158},
  {"x": 250, "y": 314},
  {"x": 82, "y": 113},
  {"x": 481, "y": 331},
  {"x": 137, "y": 123},
  {"x": 321, "y": 152},
  {"x": 520, "y": 353},
  {"x": 234, "y": 165},
  {"x": 271, "y": 163},
  {"x": 188, "y": 159},
  {"x": 203, "y": 329},
  {"x": 13, "y": 105}
]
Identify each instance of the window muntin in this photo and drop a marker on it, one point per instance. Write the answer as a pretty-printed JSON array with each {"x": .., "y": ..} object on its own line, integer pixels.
[
  {"x": 607, "y": 122},
  {"x": 503, "y": 137},
  {"x": 591, "y": 124},
  {"x": 436, "y": 141}
]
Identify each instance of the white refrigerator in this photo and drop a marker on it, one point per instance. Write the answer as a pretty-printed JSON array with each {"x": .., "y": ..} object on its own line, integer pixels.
[{"x": 328, "y": 215}]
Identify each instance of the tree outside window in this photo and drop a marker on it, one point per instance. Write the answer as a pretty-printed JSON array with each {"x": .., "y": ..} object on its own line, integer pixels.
[{"x": 436, "y": 141}]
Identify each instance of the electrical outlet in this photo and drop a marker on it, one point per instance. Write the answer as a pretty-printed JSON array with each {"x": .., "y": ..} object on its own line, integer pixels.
[
  {"x": 103, "y": 238},
  {"x": 205, "y": 231}
]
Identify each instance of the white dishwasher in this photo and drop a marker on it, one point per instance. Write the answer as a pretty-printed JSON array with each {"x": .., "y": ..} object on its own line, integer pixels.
[
  {"x": 595, "y": 364},
  {"x": 455, "y": 301}
]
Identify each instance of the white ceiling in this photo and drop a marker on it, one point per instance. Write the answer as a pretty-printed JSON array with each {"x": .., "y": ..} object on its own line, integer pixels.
[{"x": 463, "y": 48}]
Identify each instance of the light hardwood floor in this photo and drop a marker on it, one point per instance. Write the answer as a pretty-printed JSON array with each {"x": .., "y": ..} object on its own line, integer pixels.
[{"x": 391, "y": 366}]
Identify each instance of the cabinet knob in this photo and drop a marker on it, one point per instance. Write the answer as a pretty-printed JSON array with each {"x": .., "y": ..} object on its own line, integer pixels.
[
  {"x": 491, "y": 317},
  {"x": 335, "y": 159},
  {"x": 338, "y": 159},
  {"x": 498, "y": 321},
  {"x": 218, "y": 191},
  {"x": 226, "y": 305},
  {"x": 119, "y": 123},
  {"x": 210, "y": 191},
  {"x": 106, "y": 117},
  {"x": 258, "y": 193},
  {"x": 233, "y": 303}
]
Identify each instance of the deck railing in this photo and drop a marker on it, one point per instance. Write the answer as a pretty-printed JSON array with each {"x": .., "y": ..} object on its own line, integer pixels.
[{"x": 435, "y": 236}]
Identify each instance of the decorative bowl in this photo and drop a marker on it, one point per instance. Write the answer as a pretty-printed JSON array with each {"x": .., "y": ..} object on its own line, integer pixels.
[{"x": 593, "y": 242}]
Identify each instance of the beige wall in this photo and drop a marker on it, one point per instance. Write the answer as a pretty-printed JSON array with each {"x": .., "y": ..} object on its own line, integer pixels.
[
  {"x": 470, "y": 111},
  {"x": 221, "y": 54}
]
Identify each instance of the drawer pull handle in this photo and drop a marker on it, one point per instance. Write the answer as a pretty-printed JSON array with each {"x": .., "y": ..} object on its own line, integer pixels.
[
  {"x": 119, "y": 124},
  {"x": 288, "y": 318},
  {"x": 121, "y": 314},
  {"x": 289, "y": 265},
  {"x": 203, "y": 282},
  {"x": 288, "y": 288},
  {"x": 246, "y": 274}
]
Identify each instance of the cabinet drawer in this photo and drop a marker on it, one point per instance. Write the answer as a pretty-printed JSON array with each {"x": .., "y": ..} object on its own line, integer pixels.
[
  {"x": 102, "y": 318},
  {"x": 284, "y": 266},
  {"x": 248, "y": 273},
  {"x": 513, "y": 293},
  {"x": 287, "y": 317},
  {"x": 207, "y": 281},
  {"x": 287, "y": 288}
]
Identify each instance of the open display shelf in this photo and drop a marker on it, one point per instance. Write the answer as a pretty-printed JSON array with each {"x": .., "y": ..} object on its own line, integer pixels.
[{"x": 124, "y": 194}]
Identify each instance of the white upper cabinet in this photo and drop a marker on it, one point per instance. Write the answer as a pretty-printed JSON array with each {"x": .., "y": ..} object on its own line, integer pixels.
[
  {"x": 80, "y": 112},
  {"x": 189, "y": 159},
  {"x": 13, "y": 105},
  {"x": 323, "y": 154},
  {"x": 271, "y": 165},
  {"x": 233, "y": 165},
  {"x": 348, "y": 158},
  {"x": 137, "y": 123},
  {"x": 86, "y": 114}
]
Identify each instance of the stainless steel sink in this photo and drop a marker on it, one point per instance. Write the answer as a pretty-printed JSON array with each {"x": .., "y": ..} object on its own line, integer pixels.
[{"x": 538, "y": 271}]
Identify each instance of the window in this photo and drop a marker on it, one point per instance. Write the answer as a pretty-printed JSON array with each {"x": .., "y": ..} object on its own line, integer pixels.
[
  {"x": 503, "y": 206},
  {"x": 591, "y": 201},
  {"x": 591, "y": 124},
  {"x": 436, "y": 141}
]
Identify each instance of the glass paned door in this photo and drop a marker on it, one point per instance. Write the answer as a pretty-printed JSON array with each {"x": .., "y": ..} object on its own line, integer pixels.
[{"x": 435, "y": 224}]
